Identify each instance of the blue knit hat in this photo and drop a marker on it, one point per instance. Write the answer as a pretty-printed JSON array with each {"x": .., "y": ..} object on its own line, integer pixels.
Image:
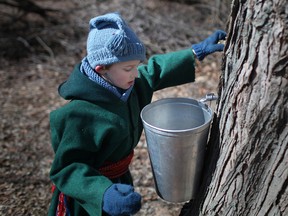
[{"x": 111, "y": 40}]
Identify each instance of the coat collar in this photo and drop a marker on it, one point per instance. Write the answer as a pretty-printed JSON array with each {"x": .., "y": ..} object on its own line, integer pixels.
[{"x": 80, "y": 87}]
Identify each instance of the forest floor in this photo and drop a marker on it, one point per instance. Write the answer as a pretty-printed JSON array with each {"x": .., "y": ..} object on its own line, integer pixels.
[{"x": 36, "y": 58}]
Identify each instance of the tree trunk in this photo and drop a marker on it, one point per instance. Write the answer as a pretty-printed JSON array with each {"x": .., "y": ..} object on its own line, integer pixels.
[{"x": 247, "y": 158}]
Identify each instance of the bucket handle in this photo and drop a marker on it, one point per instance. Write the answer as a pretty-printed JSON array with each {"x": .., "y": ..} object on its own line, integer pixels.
[{"x": 209, "y": 97}]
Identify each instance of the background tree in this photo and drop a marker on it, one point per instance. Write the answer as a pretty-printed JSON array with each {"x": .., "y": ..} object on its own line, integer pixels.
[
  {"x": 247, "y": 169},
  {"x": 26, "y": 6},
  {"x": 29, "y": 26}
]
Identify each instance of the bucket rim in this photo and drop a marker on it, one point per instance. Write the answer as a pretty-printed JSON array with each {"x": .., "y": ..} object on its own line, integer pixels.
[{"x": 198, "y": 129}]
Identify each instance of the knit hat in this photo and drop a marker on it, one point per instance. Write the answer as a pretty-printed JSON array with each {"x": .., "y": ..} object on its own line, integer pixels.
[{"x": 111, "y": 40}]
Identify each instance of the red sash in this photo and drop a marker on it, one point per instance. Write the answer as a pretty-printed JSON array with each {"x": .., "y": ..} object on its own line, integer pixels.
[
  {"x": 115, "y": 170},
  {"x": 109, "y": 169}
]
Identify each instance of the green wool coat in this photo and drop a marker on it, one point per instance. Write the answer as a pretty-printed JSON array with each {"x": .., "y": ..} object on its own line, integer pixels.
[{"x": 96, "y": 126}]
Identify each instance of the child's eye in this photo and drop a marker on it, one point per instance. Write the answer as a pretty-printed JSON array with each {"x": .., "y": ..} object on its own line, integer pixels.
[{"x": 128, "y": 69}]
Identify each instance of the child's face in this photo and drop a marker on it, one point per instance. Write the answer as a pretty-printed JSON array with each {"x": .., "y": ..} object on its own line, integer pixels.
[{"x": 122, "y": 74}]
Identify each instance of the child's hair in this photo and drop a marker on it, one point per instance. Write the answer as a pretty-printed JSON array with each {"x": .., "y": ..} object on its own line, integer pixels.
[{"x": 111, "y": 40}]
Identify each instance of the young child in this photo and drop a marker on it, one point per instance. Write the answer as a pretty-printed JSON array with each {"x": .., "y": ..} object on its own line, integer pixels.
[{"x": 94, "y": 135}]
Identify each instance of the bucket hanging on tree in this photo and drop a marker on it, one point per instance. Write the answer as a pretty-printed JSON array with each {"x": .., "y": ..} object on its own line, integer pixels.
[{"x": 176, "y": 131}]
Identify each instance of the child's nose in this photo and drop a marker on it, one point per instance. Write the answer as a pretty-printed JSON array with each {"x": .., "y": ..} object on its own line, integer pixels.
[{"x": 134, "y": 73}]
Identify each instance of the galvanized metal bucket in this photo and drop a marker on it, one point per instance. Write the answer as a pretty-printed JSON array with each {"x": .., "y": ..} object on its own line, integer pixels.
[{"x": 176, "y": 131}]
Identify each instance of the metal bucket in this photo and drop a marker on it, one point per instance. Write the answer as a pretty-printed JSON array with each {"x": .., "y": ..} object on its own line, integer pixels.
[{"x": 176, "y": 131}]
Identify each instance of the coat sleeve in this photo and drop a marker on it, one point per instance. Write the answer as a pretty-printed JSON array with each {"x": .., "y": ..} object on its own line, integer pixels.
[
  {"x": 73, "y": 170},
  {"x": 166, "y": 70}
]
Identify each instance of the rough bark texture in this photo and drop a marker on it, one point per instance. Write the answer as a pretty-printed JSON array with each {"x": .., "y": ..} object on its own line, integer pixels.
[{"x": 250, "y": 145}]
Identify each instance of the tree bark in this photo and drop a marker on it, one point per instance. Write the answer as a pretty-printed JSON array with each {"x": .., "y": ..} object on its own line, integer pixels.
[{"x": 247, "y": 170}]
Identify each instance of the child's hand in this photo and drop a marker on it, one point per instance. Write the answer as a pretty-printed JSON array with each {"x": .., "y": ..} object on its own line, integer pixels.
[
  {"x": 209, "y": 45},
  {"x": 120, "y": 199}
]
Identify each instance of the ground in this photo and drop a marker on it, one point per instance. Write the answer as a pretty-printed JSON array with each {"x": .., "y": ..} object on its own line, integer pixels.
[{"x": 38, "y": 57}]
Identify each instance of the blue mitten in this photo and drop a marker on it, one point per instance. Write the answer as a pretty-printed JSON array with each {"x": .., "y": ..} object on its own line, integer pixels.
[
  {"x": 209, "y": 45},
  {"x": 120, "y": 199}
]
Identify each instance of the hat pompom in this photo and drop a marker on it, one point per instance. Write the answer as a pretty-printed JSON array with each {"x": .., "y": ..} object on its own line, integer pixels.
[{"x": 118, "y": 44}]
